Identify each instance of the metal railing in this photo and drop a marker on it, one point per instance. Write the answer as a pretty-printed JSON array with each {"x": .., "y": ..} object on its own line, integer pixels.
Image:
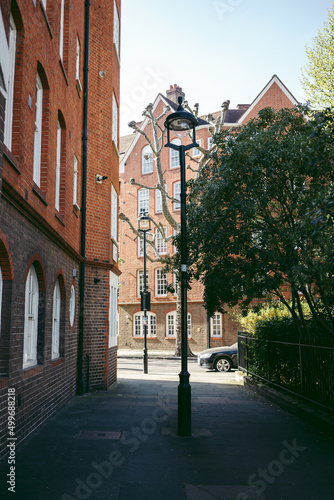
[{"x": 299, "y": 368}]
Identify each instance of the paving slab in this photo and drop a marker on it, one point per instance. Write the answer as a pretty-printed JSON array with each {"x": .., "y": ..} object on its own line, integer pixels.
[{"x": 122, "y": 444}]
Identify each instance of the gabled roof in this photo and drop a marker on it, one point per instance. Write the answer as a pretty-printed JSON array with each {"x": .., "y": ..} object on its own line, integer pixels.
[
  {"x": 232, "y": 117},
  {"x": 131, "y": 144},
  {"x": 273, "y": 80}
]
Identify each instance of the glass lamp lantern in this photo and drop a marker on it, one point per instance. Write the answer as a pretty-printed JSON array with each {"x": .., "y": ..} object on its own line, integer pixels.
[{"x": 181, "y": 122}]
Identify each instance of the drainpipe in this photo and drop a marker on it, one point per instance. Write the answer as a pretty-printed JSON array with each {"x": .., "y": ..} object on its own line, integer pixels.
[{"x": 84, "y": 201}]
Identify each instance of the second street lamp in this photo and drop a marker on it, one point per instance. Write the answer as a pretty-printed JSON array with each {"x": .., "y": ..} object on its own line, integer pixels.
[
  {"x": 182, "y": 123},
  {"x": 144, "y": 225}
]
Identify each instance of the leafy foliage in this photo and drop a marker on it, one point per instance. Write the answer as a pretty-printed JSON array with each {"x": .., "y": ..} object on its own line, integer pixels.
[
  {"x": 260, "y": 216},
  {"x": 318, "y": 76}
]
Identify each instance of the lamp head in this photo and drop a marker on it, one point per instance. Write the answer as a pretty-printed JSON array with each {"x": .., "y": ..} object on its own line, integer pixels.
[
  {"x": 181, "y": 122},
  {"x": 144, "y": 223}
]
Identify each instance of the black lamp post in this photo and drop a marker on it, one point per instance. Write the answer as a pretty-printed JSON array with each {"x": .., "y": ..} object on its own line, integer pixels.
[
  {"x": 181, "y": 122},
  {"x": 144, "y": 225}
]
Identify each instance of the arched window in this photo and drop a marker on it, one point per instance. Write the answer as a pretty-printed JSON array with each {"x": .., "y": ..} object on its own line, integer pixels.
[
  {"x": 138, "y": 324},
  {"x": 38, "y": 131},
  {"x": 146, "y": 160},
  {"x": 8, "y": 126},
  {"x": 60, "y": 164},
  {"x": 171, "y": 324},
  {"x": 72, "y": 306},
  {"x": 31, "y": 319},
  {"x": 56, "y": 321},
  {"x": 174, "y": 155}
]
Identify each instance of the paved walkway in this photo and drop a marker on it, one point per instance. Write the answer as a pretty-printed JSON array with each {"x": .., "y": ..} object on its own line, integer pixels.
[{"x": 122, "y": 445}]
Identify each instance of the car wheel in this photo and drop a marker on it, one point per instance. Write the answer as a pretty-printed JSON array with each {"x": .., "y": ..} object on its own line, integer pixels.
[{"x": 223, "y": 365}]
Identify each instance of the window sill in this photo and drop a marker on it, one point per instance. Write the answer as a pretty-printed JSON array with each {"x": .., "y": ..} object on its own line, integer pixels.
[
  {"x": 60, "y": 217},
  {"x": 149, "y": 337},
  {"x": 39, "y": 193},
  {"x": 30, "y": 371},
  {"x": 115, "y": 146},
  {"x": 117, "y": 55},
  {"x": 11, "y": 159},
  {"x": 57, "y": 361},
  {"x": 76, "y": 209},
  {"x": 78, "y": 87},
  {"x": 46, "y": 20},
  {"x": 63, "y": 70}
]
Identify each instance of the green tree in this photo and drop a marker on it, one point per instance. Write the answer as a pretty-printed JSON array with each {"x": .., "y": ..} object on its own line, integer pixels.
[
  {"x": 318, "y": 75},
  {"x": 258, "y": 220}
]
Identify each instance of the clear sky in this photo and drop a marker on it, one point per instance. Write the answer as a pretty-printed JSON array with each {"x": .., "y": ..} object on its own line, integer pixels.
[{"x": 214, "y": 49}]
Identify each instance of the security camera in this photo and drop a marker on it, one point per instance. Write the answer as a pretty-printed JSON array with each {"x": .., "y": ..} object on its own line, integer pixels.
[{"x": 100, "y": 178}]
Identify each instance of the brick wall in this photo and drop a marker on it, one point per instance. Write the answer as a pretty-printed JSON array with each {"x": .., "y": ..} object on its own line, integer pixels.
[
  {"x": 43, "y": 389},
  {"x": 33, "y": 231}
]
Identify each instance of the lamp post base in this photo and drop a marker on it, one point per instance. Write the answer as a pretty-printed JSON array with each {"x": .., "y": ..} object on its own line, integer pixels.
[
  {"x": 184, "y": 405},
  {"x": 145, "y": 360}
]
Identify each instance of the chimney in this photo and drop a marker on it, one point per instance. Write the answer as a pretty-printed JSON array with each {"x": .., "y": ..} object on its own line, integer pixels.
[
  {"x": 243, "y": 106},
  {"x": 174, "y": 92}
]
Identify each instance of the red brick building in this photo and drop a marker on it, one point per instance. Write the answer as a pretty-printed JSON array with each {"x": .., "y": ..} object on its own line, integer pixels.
[
  {"x": 59, "y": 99},
  {"x": 203, "y": 332}
]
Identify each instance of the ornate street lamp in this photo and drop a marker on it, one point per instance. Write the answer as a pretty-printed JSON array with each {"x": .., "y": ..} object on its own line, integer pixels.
[
  {"x": 181, "y": 123},
  {"x": 144, "y": 225}
]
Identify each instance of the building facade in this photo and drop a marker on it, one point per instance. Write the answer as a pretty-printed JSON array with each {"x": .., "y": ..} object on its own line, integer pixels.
[
  {"x": 138, "y": 179},
  {"x": 58, "y": 219}
]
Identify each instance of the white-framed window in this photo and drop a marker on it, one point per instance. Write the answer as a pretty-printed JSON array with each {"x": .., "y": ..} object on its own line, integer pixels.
[
  {"x": 171, "y": 324},
  {"x": 146, "y": 160},
  {"x": 196, "y": 152},
  {"x": 114, "y": 120},
  {"x": 158, "y": 201},
  {"x": 189, "y": 325},
  {"x": 113, "y": 313},
  {"x": 216, "y": 325},
  {"x": 143, "y": 201},
  {"x": 38, "y": 132},
  {"x": 8, "y": 125},
  {"x": 77, "y": 61},
  {"x": 140, "y": 281},
  {"x": 1, "y": 288},
  {"x": 75, "y": 181},
  {"x": 72, "y": 306},
  {"x": 210, "y": 142},
  {"x": 62, "y": 19},
  {"x": 177, "y": 195},
  {"x": 141, "y": 246},
  {"x": 31, "y": 319},
  {"x": 114, "y": 213},
  {"x": 58, "y": 162},
  {"x": 56, "y": 321},
  {"x": 138, "y": 324},
  {"x": 160, "y": 241},
  {"x": 160, "y": 282},
  {"x": 116, "y": 29},
  {"x": 174, "y": 155}
]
